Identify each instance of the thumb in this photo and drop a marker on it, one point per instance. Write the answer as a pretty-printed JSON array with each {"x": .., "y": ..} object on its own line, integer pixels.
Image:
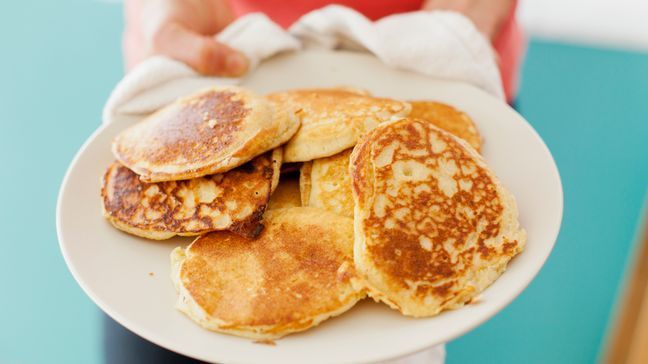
[{"x": 202, "y": 53}]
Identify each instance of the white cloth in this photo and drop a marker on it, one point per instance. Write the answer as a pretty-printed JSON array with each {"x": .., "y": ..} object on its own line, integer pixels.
[{"x": 440, "y": 44}]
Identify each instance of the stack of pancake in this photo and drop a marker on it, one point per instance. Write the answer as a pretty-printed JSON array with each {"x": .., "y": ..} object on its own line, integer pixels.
[{"x": 376, "y": 197}]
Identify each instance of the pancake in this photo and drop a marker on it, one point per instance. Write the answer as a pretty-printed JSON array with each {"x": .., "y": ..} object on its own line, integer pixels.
[
  {"x": 355, "y": 90},
  {"x": 332, "y": 120},
  {"x": 449, "y": 119},
  {"x": 233, "y": 201},
  {"x": 296, "y": 274},
  {"x": 433, "y": 225},
  {"x": 210, "y": 132},
  {"x": 325, "y": 183},
  {"x": 286, "y": 194}
]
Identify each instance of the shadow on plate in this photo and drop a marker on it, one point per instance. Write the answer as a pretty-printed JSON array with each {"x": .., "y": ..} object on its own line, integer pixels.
[{"x": 121, "y": 346}]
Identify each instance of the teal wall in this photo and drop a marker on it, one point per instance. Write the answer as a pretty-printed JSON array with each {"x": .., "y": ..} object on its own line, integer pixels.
[
  {"x": 60, "y": 60},
  {"x": 58, "y": 63},
  {"x": 591, "y": 108}
]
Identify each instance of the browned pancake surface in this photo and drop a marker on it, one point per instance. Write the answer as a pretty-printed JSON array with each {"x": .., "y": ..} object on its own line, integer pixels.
[
  {"x": 431, "y": 217},
  {"x": 298, "y": 272},
  {"x": 186, "y": 132},
  {"x": 209, "y": 132},
  {"x": 234, "y": 200}
]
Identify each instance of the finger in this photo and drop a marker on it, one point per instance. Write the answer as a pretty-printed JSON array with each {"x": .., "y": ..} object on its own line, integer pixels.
[
  {"x": 202, "y": 53},
  {"x": 452, "y": 5},
  {"x": 133, "y": 52}
]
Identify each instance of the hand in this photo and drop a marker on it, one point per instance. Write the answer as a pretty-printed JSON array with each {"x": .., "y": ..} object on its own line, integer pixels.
[
  {"x": 487, "y": 15},
  {"x": 183, "y": 30}
]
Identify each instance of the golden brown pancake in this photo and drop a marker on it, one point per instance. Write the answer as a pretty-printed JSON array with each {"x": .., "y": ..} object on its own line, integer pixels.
[
  {"x": 433, "y": 225},
  {"x": 286, "y": 194},
  {"x": 325, "y": 183},
  {"x": 449, "y": 119},
  {"x": 296, "y": 274},
  {"x": 355, "y": 90},
  {"x": 233, "y": 201},
  {"x": 210, "y": 132},
  {"x": 332, "y": 120}
]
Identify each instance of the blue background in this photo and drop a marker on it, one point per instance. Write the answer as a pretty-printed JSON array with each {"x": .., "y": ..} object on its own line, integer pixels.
[{"x": 61, "y": 59}]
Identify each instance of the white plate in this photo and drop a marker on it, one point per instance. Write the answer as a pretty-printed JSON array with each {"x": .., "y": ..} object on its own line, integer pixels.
[{"x": 113, "y": 267}]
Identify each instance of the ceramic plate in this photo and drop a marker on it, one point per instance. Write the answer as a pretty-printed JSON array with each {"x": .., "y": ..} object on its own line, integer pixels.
[{"x": 128, "y": 277}]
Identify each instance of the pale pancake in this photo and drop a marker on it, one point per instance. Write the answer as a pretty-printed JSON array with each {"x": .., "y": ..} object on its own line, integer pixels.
[
  {"x": 326, "y": 183},
  {"x": 286, "y": 195},
  {"x": 233, "y": 200},
  {"x": 332, "y": 120},
  {"x": 449, "y": 119},
  {"x": 210, "y": 132},
  {"x": 433, "y": 225},
  {"x": 296, "y": 274}
]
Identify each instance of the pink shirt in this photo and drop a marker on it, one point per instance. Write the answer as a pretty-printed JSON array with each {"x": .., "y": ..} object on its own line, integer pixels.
[{"x": 509, "y": 44}]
